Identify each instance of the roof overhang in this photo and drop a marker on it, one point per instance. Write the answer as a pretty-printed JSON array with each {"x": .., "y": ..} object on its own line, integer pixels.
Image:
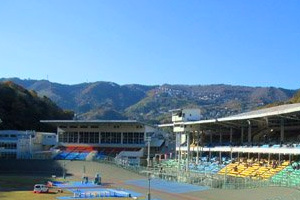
[
  {"x": 278, "y": 111},
  {"x": 94, "y": 122}
]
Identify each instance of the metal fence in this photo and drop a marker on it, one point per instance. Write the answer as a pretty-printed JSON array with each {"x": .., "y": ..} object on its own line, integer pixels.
[{"x": 202, "y": 179}]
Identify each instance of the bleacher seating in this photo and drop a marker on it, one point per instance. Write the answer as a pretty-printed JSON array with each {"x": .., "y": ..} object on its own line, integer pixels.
[
  {"x": 288, "y": 176},
  {"x": 73, "y": 153},
  {"x": 253, "y": 169},
  {"x": 105, "y": 152},
  {"x": 204, "y": 166}
]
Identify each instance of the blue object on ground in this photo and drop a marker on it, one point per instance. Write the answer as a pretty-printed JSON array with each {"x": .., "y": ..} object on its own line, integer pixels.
[{"x": 167, "y": 186}]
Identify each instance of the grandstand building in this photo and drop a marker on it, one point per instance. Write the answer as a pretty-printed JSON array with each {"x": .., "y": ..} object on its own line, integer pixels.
[
  {"x": 26, "y": 144},
  {"x": 127, "y": 139},
  {"x": 270, "y": 134}
]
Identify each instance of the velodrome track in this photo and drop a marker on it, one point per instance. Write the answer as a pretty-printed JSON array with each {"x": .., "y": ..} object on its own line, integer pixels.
[{"x": 121, "y": 178}]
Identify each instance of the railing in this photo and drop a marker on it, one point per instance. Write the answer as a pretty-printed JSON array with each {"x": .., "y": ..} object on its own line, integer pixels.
[{"x": 202, "y": 179}]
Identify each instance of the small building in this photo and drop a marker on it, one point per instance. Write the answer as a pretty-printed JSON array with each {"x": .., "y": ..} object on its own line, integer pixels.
[
  {"x": 185, "y": 115},
  {"x": 25, "y": 144}
]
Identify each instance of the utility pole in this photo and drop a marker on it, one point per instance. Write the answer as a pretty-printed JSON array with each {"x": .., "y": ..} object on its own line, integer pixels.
[
  {"x": 64, "y": 170},
  {"x": 148, "y": 139},
  {"x": 149, "y": 180}
]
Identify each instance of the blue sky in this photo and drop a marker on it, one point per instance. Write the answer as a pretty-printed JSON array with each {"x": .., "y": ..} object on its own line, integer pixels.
[{"x": 254, "y": 42}]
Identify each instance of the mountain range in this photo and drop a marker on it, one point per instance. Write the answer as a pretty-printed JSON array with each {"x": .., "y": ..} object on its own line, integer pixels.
[{"x": 108, "y": 100}]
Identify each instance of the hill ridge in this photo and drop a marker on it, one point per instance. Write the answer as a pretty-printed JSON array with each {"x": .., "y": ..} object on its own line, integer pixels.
[{"x": 109, "y": 100}]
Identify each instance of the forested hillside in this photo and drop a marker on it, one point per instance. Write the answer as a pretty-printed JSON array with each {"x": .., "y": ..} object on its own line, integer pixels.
[{"x": 21, "y": 109}]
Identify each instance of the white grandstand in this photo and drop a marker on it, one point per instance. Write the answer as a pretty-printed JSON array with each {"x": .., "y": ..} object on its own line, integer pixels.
[
  {"x": 269, "y": 133},
  {"x": 126, "y": 139}
]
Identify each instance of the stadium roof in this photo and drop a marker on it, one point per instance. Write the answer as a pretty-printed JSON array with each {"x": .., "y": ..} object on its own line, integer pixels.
[
  {"x": 266, "y": 112},
  {"x": 281, "y": 110},
  {"x": 92, "y": 122}
]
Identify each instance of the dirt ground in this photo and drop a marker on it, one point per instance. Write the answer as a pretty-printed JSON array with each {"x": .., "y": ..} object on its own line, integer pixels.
[{"x": 13, "y": 187}]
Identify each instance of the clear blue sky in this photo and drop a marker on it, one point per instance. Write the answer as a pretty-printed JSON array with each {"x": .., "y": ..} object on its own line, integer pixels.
[{"x": 242, "y": 42}]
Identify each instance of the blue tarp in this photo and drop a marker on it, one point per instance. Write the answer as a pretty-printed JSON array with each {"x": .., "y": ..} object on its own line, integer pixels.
[{"x": 167, "y": 186}]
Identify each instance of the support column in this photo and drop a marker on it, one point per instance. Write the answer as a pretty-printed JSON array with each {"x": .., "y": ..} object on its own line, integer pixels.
[
  {"x": 210, "y": 137},
  {"x": 220, "y": 137},
  {"x": 242, "y": 136},
  {"x": 281, "y": 131},
  {"x": 197, "y": 153},
  {"x": 230, "y": 139},
  {"x": 188, "y": 151},
  {"x": 179, "y": 151},
  {"x": 249, "y": 132},
  {"x": 220, "y": 156}
]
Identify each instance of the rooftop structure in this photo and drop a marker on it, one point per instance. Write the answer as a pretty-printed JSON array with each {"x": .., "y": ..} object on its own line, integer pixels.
[{"x": 268, "y": 131}]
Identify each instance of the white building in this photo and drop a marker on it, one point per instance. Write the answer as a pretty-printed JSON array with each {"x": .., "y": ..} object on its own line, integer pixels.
[
  {"x": 25, "y": 144},
  {"x": 108, "y": 136}
]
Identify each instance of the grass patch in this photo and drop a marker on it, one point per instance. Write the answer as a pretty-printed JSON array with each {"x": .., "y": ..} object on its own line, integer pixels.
[{"x": 14, "y": 187}]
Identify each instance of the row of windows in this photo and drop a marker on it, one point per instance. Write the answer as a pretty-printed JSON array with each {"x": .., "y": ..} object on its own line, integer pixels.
[
  {"x": 8, "y": 145},
  {"x": 103, "y": 137},
  {"x": 7, "y": 136},
  {"x": 133, "y": 138},
  {"x": 8, "y": 155},
  {"x": 84, "y": 126}
]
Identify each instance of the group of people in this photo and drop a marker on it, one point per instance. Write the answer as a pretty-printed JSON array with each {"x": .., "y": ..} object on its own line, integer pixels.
[
  {"x": 262, "y": 162},
  {"x": 295, "y": 165}
]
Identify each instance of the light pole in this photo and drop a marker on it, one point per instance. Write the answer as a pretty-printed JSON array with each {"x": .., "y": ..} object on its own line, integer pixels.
[
  {"x": 149, "y": 180},
  {"x": 64, "y": 170},
  {"x": 148, "y": 139}
]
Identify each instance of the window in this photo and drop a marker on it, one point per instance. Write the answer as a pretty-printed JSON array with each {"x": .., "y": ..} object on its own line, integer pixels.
[
  {"x": 116, "y": 138},
  {"x": 125, "y": 138},
  {"x": 130, "y": 138},
  {"x": 141, "y": 138},
  {"x": 92, "y": 137},
  {"x": 102, "y": 137},
  {"x": 75, "y": 137},
  {"x": 71, "y": 137},
  {"x": 60, "y": 136},
  {"x": 96, "y": 138},
  {"x": 65, "y": 137},
  {"x": 136, "y": 138},
  {"x": 81, "y": 135},
  {"x": 85, "y": 137},
  {"x": 113, "y": 138}
]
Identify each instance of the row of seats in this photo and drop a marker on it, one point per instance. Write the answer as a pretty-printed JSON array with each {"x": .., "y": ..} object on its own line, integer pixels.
[
  {"x": 254, "y": 169},
  {"x": 288, "y": 176},
  {"x": 73, "y": 153},
  {"x": 203, "y": 166},
  {"x": 259, "y": 170},
  {"x": 103, "y": 153},
  {"x": 71, "y": 156}
]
